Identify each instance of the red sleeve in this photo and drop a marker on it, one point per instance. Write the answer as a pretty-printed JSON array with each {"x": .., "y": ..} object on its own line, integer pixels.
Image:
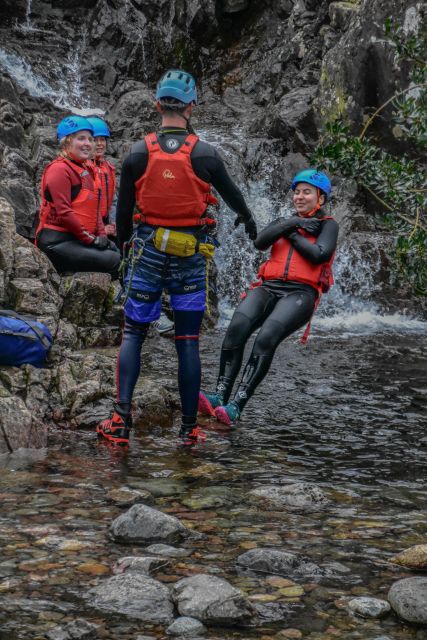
[{"x": 59, "y": 180}]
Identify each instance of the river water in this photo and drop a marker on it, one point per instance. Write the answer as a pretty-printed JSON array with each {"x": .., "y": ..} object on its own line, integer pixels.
[{"x": 346, "y": 413}]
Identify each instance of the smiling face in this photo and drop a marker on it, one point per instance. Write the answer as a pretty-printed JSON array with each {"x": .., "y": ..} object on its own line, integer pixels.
[
  {"x": 305, "y": 198},
  {"x": 79, "y": 146},
  {"x": 100, "y": 147}
]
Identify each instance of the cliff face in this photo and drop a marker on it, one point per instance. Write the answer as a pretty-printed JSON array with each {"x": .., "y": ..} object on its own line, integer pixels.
[{"x": 276, "y": 70}]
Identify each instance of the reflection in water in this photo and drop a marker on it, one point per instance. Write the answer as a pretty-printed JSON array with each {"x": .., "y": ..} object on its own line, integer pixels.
[{"x": 345, "y": 414}]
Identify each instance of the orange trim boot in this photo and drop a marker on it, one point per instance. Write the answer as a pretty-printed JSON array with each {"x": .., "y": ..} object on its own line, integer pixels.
[
  {"x": 191, "y": 435},
  {"x": 115, "y": 429}
]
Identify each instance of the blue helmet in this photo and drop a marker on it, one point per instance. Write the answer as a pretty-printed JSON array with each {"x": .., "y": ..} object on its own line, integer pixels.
[
  {"x": 73, "y": 124},
  {"x": 179, "y": 85},
  {"x": 314, "y": 177},
  {"x": 99, "y": 126}
]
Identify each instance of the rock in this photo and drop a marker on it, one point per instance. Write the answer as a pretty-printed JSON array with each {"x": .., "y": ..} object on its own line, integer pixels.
[
  {"x": 166, "y": 550},
  {"x": 76, "y": 630},
  {"x": 212, "y": 600},
  {"x": 126, "y": 497},
  {"x": 408, "y": 598},
  {"x": 300, "y": 495},
  {"x": 186, "y": 627},
  {"x": 415, "y": 557},
  {"x": 293, "y": 119},
  {"x": 341, "y": 14},
  {"x": 134, "y": 595},
  {"x": 140, "y": 564},
  {"x": 142, "y": 524},
  {"x": 18, "y": 429},
  {"x": 86, "y": 298},
  {"x": 274, "y": 561},
  {"x": 369, "y": 607},
  {"x": 234, "y": 6}
]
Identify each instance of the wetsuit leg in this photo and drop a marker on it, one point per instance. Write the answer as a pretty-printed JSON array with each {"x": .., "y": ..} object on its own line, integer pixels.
[
  {"x": 129, "y": 361},
  {"x": 248, "y": 316},
  {"x": 187, "y": 329},
  {"x": 74, "y": 256},
  {"x": 289, "y": 314}
]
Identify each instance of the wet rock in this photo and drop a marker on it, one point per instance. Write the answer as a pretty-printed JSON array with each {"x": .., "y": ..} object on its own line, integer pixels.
[
  {"x": 341, "y": 14},
  {"x": 369, "y": 607},
  {"x": 140, "y": 564},
  {"x": 415, "y": 557},
  {"x": 85, "y": 298},
  {"x": 274, "y": 611},
  {"x": 133, "y": 595},
  {"x": 126, "y": 497},
  {"x": 166, "y": 550},
  {"x": 299, "y": 495},
  {"x": 144, "y": 525},
  {"x": 408, "y": 598},
  {"x": 212, "y": 600},
  {"x": 186, "y": 627},
  {"x": 273, "y": 561},
  {"x": 234, "y": 6},
  {"x": 17, "y": 427},
  {"x": 293, "y": 119},
  {"x": 76, "y": 630}
]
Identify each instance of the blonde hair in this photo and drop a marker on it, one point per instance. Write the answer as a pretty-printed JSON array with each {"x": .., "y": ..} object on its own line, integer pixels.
[{"x": 65, "y": 141}]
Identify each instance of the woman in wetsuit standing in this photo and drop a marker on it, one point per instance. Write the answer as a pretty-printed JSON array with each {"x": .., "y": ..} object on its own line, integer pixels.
[
  {"x": 71, "y": 232},
  {"x": 291, "y": 282}
]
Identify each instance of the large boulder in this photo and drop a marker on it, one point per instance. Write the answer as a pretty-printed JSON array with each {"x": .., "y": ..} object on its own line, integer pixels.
[
  {"x": 212, "y": 600},
  {"x": 408, "y": 598}
]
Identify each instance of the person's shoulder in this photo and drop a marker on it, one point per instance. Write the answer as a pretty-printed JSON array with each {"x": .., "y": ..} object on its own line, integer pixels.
[
  {"x": 138, "y": 147},
  {"x": 204, "y": 149}
]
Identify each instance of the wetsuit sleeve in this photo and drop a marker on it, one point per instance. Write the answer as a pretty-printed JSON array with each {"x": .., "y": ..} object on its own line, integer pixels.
[
  {"x": 59, "y": 183},
  {"x": 125, "y": 202},
  {"x": 275, "y": 230},
  {"x": 211, "y": 168},
  {"x": 322, "y": 250}
]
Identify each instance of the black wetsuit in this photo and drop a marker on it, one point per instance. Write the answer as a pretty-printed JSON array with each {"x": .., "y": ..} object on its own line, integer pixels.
[
  {"x": 277, "y": 308},
  {"x": 206, "y": 163}
]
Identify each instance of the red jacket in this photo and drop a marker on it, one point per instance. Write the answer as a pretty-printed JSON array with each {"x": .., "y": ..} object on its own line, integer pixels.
[
  {"x": 169, "y": 193},
  {"x": 285, "y": 263},
  {"x": 107, "y": 182},
  {"x": 61, "y": 210}
]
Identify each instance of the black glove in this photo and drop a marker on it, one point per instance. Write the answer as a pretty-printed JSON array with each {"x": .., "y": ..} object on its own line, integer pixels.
[
  {"x": 311, "y": 225},
  {"x": 290, "y": 225},
  {"x": 250, "y": 226},
  {"x": 112, "y": 245},
  {"x": 100, "y": 242}
]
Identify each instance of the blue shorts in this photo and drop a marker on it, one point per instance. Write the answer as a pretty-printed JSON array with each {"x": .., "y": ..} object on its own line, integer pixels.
[{"x": 155, "y": 271}]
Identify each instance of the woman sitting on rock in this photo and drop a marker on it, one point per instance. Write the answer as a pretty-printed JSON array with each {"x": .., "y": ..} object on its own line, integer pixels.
[
  {"x": 71, "y": 232},
  {"x": 291, "y": 282}
]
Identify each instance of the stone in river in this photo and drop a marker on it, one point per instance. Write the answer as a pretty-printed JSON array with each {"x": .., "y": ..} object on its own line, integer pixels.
[
  {"x": 408, "y": 598},
  {"x": 134, "y": 595},
  {"x": 369, "y": 607},
  {"x": 274, "y": 561},
  {"x": 186, "y": 627},
  {"x": 144, "y": 524},
  {"x": 212, "y": 600},
  {"x": 415, "y": 557}
]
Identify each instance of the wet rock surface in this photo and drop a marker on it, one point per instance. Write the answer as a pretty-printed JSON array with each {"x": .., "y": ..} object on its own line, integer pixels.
[
  {"x": 185, "y": 627},
  {"x": 299, "y": 496},
  {"x": 369, "y": 607},
  {"x": 77, "y": 630},
  {"x": 212, "y": 600},
  {"x": 145, "y": 525},
  {"x": 276, "y": 562},
  {"x": 134, "y": 595},
  {"x": 414, "y": 557},
  {"x": 408, "y": 597}
]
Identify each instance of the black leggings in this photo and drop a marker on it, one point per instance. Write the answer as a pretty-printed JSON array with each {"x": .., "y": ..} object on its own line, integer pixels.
[
  {"x": 68, "y": 254},
  {"x": 277, "y": 313}
]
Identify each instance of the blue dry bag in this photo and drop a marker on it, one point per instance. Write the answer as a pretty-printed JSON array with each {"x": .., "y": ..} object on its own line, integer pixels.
[{"x": 23, "y": 340}]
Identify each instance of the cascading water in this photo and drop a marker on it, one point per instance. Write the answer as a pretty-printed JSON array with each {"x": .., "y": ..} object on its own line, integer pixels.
[{"x": 349, "y": 313}]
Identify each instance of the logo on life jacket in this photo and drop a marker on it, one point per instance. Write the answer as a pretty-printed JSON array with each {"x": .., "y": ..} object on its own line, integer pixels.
[{"x": 167, "y": 173}]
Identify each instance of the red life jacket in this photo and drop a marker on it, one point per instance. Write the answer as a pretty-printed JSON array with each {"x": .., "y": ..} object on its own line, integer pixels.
[
  {"x": 286, "y": 263},
  {"x": 107, "y": 183},
  {"x": 85, "y": 205},
  {"x": 169, "y": 193}
]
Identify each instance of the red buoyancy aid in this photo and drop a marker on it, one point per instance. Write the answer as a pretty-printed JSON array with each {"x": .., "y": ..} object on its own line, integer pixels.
[
  {"x": 85, "y": 206},
  {"x": 169, "y": 193},
  {"x": 286, "y": 263},
  {"x": 107, "y": 179}
]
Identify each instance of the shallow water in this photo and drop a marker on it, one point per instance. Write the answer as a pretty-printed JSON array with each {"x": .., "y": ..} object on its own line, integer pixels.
[{"x": 346, "y": 412}]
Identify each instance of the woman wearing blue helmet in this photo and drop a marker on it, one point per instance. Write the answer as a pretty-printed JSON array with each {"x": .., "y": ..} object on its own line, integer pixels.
[
  {"x": 70, "y": 230},
  {"x": 284, "y": 298}
]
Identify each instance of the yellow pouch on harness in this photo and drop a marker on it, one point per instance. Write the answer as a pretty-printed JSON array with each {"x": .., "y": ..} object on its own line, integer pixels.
[{"x": 183, "y": 245}]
